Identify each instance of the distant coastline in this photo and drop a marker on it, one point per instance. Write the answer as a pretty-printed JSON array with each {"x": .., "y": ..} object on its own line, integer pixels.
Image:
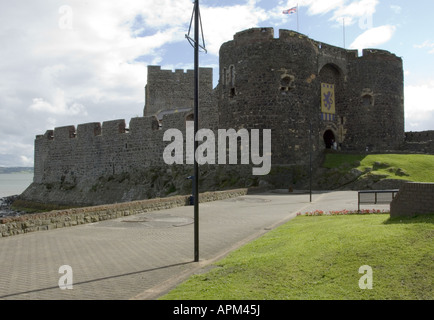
[
  {"x": 14, "y": 180},
  {"x": 6, "y": 170}
]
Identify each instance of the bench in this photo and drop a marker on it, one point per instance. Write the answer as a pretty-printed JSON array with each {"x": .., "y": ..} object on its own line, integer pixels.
[{"x": 375, "y": 196}]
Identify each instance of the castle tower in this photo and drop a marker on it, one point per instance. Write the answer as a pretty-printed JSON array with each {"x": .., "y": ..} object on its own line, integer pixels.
[
  {"x": 293, "y": 83},
  {"x": 374, "y": 111},
  {"x": 169, "y": 92},
  {"x": 267, "y": 83}
]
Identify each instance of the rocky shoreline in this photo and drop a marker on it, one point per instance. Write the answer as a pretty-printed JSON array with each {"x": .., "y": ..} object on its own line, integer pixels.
[{"x": 5, "y": 207}]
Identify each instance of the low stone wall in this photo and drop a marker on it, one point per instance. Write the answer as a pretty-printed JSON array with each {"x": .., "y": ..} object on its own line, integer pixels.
[
  {"x": 412, "y": 199},
  {"x": 72, "y": 217}
]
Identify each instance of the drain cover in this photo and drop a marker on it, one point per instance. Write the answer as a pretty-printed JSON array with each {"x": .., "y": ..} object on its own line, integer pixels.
[
  {"x": 159, "y": 221},
  {"x": 248, "y": 200}
]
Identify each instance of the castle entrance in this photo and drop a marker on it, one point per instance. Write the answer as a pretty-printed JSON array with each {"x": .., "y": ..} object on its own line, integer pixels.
[{"x": 329, "y": 138}]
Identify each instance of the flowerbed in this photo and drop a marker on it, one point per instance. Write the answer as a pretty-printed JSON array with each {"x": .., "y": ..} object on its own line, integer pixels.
[{"x": 341, "y": 212}]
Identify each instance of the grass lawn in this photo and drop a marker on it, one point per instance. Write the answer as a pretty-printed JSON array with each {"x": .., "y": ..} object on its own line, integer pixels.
[
  {"x": 318, "y": 257},
  {"x": 413, "y": 167}
]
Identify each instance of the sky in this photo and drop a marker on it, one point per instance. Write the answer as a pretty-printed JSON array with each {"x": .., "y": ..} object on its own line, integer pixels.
[{"x": 67, "y": 62}]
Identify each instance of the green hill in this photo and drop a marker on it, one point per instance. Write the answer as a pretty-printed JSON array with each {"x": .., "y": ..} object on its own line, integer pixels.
[{"x": 384, "y": 170}]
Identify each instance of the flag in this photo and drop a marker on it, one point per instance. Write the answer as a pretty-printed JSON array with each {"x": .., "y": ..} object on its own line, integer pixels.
[
  {"x": 327, "y": 98},
  {"x": 290, "y": 11}
]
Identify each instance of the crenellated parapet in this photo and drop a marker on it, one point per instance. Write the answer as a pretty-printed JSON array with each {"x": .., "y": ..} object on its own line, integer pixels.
[
  {"x": 88, "y": 130},
  {"x": 377, "y": 54},
  {"x": 64, "y": 133},
  {"x": 253, "y": 35},
  {"x": 113, "y": 127},
  {"x": 92, "y": 150}
]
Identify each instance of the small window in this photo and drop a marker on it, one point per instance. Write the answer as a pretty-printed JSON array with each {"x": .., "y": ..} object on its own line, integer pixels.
[
  {"x": 367, "y": 100},
  {"x": 232, "y": 93},
  {"x": 287, "y": 83},
  {"x": 232, "y": 76}
]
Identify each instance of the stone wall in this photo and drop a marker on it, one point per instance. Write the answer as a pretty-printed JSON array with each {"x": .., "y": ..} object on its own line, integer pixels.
[
  {"x": 413, "y": 199},
  {"x": 419, "y": 136},
  {"x": 75, "y": 156},
  {"x": 72, "y": 217},
  {"x": 420, "y": 142}
]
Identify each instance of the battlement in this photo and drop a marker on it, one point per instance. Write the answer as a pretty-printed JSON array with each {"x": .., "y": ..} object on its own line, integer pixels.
[
  {"x": 173, "y": 90},
  {"x": 64, "y": 133},
  {"x": 87, "y": 130},
  {"x": 113, "y": 128},
  {"x": 377, "y": 54},
  {"x": 285, "y": 34},
  {"x": 155, "y": 72},
  {"x": 255, "y": 35}
]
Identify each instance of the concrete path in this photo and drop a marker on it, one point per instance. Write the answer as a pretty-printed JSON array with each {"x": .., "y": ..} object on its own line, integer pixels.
[{"x": 146, "y": 255}]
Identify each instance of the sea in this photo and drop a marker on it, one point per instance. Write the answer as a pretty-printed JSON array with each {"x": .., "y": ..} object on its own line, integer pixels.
[{"x": 12, "y": 184}]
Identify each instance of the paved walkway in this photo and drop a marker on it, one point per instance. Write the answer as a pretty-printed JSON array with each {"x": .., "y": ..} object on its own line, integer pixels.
[{"x": 145, "y": 255}]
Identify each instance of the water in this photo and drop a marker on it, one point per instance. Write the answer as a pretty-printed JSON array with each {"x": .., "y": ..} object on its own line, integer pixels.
[{"x": 14, "y": 183}]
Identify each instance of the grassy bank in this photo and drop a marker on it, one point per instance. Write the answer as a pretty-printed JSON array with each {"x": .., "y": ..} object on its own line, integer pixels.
[
  {"x": 36, "y": 207},
  {"x": 412, "y": 167},
  {"x": 318, "y": 257}
]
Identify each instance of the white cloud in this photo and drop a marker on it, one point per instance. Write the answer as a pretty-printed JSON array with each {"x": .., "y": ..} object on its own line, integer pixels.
[
  {"x": 320, "y": 6},
  {"x": 396, "y": 9},
  {"x": 362, "y": 11},
  {"x": 373, "y": 37},
  {"x": 352, "y": 11},
  {"x": 426, "y": 44},
  {"x": 66, "y": 65},
  {"x": 59, "y": 107},
  {"x": 419, "y": 106},
  {"x": 76, "y": 63},
  {"x": 26, "y": 161},
  {"x": 221, "y": 23}
]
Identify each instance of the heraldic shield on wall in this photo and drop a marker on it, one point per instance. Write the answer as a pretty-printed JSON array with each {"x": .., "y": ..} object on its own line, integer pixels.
[{"x": 327, "y": 101}]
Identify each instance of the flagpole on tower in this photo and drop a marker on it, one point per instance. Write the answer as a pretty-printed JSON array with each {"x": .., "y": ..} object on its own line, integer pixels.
[
  {"x": 297, "y": 17},
  {"x": 343, "y": 28}
]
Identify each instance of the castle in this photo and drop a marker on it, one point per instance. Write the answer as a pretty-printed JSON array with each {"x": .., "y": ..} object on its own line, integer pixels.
[{"x": 313, "y": 96}]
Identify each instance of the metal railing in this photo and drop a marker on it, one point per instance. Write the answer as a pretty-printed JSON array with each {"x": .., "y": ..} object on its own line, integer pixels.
[{"x": 375, "y": 196}]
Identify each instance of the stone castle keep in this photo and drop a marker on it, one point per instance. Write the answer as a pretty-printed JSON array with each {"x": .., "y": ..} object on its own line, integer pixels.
[{"x": 313, "y": 96}]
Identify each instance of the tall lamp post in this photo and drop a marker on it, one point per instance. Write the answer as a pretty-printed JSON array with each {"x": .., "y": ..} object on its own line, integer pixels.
[
  {"x": 196, "y": 125},
  {"x": 196, "y": 45}
]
